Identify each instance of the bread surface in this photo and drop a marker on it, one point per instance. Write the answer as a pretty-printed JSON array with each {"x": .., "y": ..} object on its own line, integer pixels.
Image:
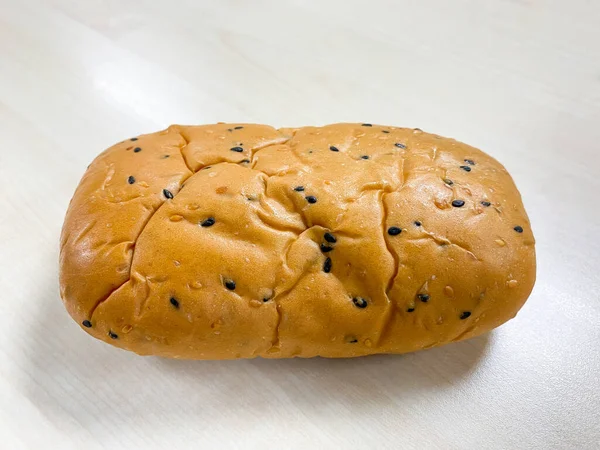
[{"x": 240, "y": 240}]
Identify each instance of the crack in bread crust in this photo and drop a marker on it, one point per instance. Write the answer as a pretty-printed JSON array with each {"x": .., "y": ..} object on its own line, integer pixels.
[
  {"x": 183, "y": 148},
  {"x": 134, "y": 245}
]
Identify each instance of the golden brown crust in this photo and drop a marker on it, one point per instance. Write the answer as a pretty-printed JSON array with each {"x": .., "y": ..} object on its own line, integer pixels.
[{"x": 209, "y": 242}]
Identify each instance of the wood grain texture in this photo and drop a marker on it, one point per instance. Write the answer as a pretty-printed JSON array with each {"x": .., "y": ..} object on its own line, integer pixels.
[{"x": 519, "y": 79}]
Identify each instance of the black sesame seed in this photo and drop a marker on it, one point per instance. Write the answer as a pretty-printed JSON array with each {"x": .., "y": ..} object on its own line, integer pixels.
[
  {"x": 327, "y": 265},
  {"x": 230, "y": 129},
  {"x": 385, "y": 131},
  {"x": 131, "y": 179},
  {"x": 334, "y": 149},
  {"x": 167, "y": 193},
  {"x": 326, "y": 248},
  {"x": 245, "y": 161},
  {"x": 208, "y": 222},
  {"x": 165, "y": 156},
  {"x": 330, "y": 238},
  {"x": 87, "y": 324},
  {"x": 133, "y": 139},
  {"x": 237, "y": 128},
  {"x": 518, "y": 229},
  {"x": 230, "y": 284},
  {"x": 353, "y": 341},
  {"x": 266, "y": 299},
  {"x": 174, "y": 302},
  {"x": 458, "y": 203},
  {"x": 448, "y": 181},
  {"x": 410, "y": 310},
  {"x": 206, "y": 168},
  {"x": 364, "y": 157},
  {"x": 423, "y": 297},
  {"x": 400, "y": 145},
  {"x": 367, "y": 125},
  {"x": 465, "y": 168},
  {"x": 394, "y": 231},
  {"x": 299, "y": 188},
  {"x": 470, "y": 162},
  {"x": 311, "y": 199},
  {"x": 359, "y": 302},
  {"x": 113, "y": 335},
  {"x": 237, "y": 149},
  {"x": 137, "y": 149},
  {"x": 465, "y": 314},
  {"x": 417, "y": 223},
  {"x": 486, "y": 203}
]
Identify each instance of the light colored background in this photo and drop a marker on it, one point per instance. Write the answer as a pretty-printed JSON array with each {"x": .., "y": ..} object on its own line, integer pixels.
[{"x": 519, "y": 79}]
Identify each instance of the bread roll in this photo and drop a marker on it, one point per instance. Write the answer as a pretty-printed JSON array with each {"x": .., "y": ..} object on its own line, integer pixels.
[{"x": 236, "y": 241}]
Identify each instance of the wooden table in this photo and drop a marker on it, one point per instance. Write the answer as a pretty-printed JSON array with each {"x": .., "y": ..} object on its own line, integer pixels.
[{"x": 519, "y": 79}]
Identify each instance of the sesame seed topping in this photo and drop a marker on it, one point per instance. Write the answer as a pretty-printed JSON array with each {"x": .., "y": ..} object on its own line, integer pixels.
[
  {"x": 423, "y": 297},
  {"x": 458, "y": 203},
  {"x": 385, "y": 131},
  {"x": 518, "y": 229},
  {"x": 417, "y": 223},
  {"x": 400, "y": 145},
  {"x": 299, "y": 188},
  {"x": 87, "y": 324},
  {"x": 237, "y": 128},
  {"x": 486, "y": 203},
  {"x": 137, "y": 149},
  {"x": 364, "y": 157},
  {"x": 164, "y": 156},
  {"x": 410, "y": 310},
  {"x": 113, "y": 335},
  {"x": 448, "y": 181},
  {"x": 208, "y": 222},
  {"x": 465, "y": 314},
  {"x": 245, "y": 161},
  {"x": 394, "y": 231},
  {"x": 325, "y": 248},
  {"x": 327, "y": 265},
  {"x": 174, "y": 302},
  {"x": 470, "y": 162},
  {"x": 359, "y": 302},
  {"x": 465, "y": 168},
  {"x": 133, "y": 139},
  {"x": 330, "y": 238},
  {"x": 230, "y": 284},
  {"x": 367, "y": 125},
  {"x": 311, "y": 199},
  {"x": 334, "y": 148},
  {"x": 168, "y": 194},
  {"x": 237, "y": 149},
  {"x": 131, "y": 179}
]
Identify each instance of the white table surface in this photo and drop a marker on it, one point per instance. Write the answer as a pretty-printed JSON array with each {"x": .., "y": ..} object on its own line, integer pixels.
[{"x": 519, "y": 79}]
